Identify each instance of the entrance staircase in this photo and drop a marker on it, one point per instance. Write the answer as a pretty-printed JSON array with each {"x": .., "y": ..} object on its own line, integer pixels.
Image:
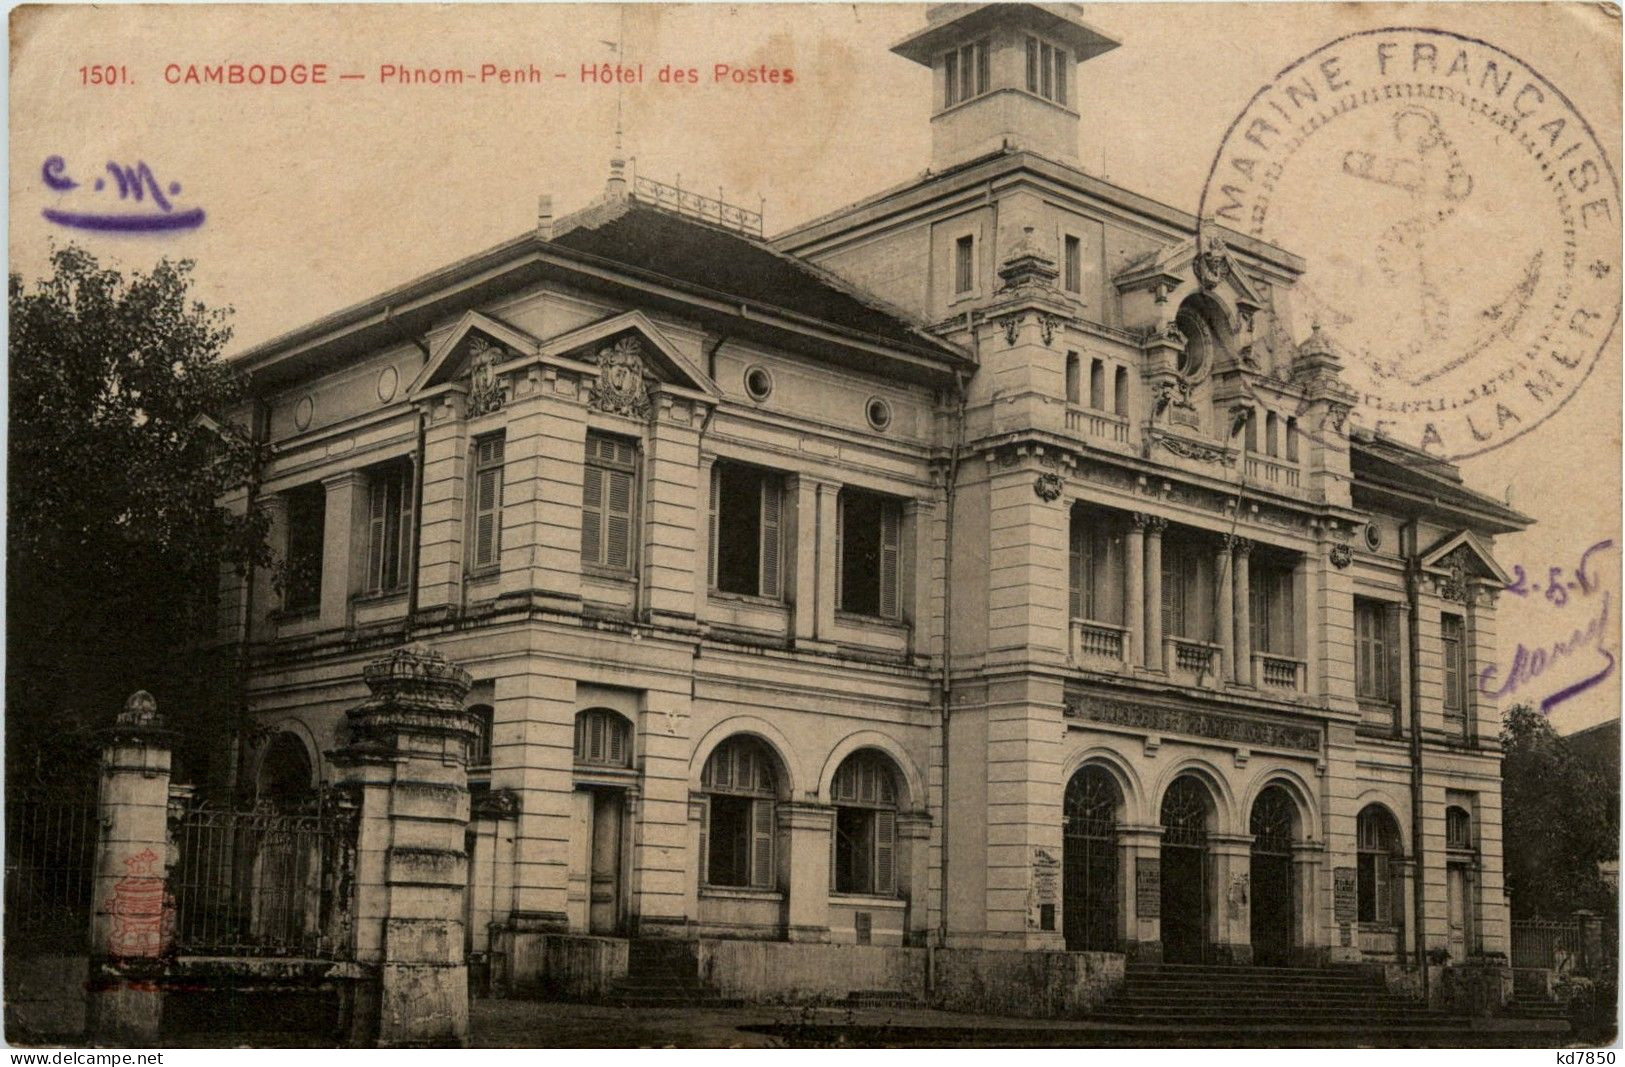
[
  {"x": 662, "y": 974},
  {"x": 1235, "y": 1004}
]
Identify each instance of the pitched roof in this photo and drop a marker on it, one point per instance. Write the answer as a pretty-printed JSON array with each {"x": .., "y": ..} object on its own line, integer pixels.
[{"x": 1383, "y": 465}]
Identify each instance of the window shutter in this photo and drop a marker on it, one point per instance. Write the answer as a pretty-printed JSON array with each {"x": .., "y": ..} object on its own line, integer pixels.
[
  {"x": 716, "y": 500},
  {"x": 885, "y": 852},
  {"x": 1390, "y": 635},
  {"x": 1105, "y": 570},
  {"x": 618, "y": 520},
  {"x": 1173, "y": 598},
  {"x": 408, "y": 483},
  {"x": 1075, "y": 569},
  {"x": 772, "y": 506},
  {"x": 617, "y": 742},
  {"x": 377, "y": 498},
  {"x": 485, "y": 505},
  {"x": 761, "y": 852},
  {"x": 1452, "y": 663},
  {"x": 891, "y": 537},
  {"x": 592, "y": 514},
  {"x": 705, "y": 840}
]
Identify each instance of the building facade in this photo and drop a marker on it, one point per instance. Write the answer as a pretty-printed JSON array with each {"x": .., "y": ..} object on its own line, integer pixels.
[{"x": 984, "y": 564}]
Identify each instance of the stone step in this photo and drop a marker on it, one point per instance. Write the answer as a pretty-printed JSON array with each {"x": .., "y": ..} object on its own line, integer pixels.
[{"x": 1389, "y": 1002}]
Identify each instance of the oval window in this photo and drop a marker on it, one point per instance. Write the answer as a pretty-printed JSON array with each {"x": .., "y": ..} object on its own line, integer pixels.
[
  {"x": 878, "y": 412},
  {"x": 758, "y": 383}
]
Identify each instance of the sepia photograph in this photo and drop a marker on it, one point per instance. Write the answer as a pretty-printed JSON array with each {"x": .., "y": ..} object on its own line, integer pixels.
[{"x": 813, "y": 526}]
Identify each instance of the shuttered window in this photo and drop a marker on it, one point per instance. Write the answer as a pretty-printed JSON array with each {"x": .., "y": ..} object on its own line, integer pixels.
[
  {"x": 603, "y": 738},
  {"x": 389, "y": 527},
  {"x": 302, "y": 563},
  {"x": 1378, "y": 846},
  {"x": 1187, "y": 591},
  {"x": 1095, "y": 569},
  {"x": 609, "y": 502},
  {"x": 479, "y": 753},
  {"x": 964, "y": 264},
  {"x": 1452, "y": 636},
  {"x": 869, "y": 540},
  {"x": 1271, "y": 612},
  {"x": 747, "y": 531},
  {"x": 739, "y": 826},
  {"x": 487, "y": 547},
  {"x": 1376, "y": 651},
  {"x": 865, "y": 844},
  {"x": 1072, "y": 274}
]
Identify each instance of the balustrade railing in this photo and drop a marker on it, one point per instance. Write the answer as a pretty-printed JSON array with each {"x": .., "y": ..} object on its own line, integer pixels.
[
  {"x": 1099, "y": 642},
  {"x": 1271, "y": 671},
  {"x": 1101, "y": 425},
  {"x": 1262, "y": 471},
  {"x": 1192, "y": 657},
  {"x": 687, "y": 202}
]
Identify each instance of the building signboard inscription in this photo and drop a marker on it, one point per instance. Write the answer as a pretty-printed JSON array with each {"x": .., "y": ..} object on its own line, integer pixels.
[
  {"x": 1343, "y": 894},
  {"x": 1148, "y": 888},
  {"x": 1154, "y": 719}
]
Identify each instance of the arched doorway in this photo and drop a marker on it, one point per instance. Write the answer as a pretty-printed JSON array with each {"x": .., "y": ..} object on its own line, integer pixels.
[
  {"x": 1089, "y": 861},
  {"x": 285, "y": 775},
  {"x": 1273, "y": 906},
  {"x": 1186, "y": 819}
]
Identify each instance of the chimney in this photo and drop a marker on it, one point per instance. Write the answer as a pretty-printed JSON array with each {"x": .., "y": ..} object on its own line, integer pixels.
[{"x": 544, "y": 217}]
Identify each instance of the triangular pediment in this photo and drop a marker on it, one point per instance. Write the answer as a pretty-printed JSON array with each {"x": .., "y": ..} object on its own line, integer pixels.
[
  {"x": 1465, "y": 551},
  {"x": 475, "y": 335},
  {"x": 632, "y": 335},
  {"x": 1179, "y": 264}
]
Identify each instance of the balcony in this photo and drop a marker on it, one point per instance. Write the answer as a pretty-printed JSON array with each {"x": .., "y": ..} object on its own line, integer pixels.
[
  {"x": 1270, "y": 473},
  {"x": 1099, "y": 645},
  {"x": 1098, "y": 426},
  {"x": 1191, "y": 662},
  {"x": 1272, "y": 672}
]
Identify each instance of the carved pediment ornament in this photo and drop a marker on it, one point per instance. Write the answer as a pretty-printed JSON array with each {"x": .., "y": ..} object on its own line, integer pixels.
[
  {"x": 1212, "y": 261},
  {"x": 1456, "y": 585},
  {"x": 484, "y": 387},
  {"x": 622, "y": 387}
]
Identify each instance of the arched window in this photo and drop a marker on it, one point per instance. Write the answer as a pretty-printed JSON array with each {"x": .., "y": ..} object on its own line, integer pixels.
[
  {"x": 285, "y": 773},
  {"x": 1378, "y": 848},
  {"x": 603, "y": 739},
  {"x": 1089, "y": 860},
  {"x": 1185, "y": 814},
  {"x": 1458, "y": 828},
  {"x": 738, "y": 829},
  {"x": 1203, "y": 344},
  {"x": 1271, "y": 822},
  {"x": 865, "y": 795}
]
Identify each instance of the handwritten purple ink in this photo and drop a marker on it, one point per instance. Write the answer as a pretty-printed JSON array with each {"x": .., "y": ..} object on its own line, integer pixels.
[
  {"x": 1529, "y": 664},
  {"x": 138, "y": 184}
]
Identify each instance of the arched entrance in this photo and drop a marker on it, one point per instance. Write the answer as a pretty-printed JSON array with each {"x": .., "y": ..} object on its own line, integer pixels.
[
  {"x": 1186, "y": 818},
  {"x": 1089, "y": 857},
  {"x": 1271, "y": 825}
]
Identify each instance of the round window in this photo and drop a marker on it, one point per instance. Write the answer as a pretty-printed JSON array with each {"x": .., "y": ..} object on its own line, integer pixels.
[
  {"x": 758, "y": 382},
  {"x": 1373, "y": 536},
  {"x": 1200, "y": 343},
  {"x": 879, "y": 413}
]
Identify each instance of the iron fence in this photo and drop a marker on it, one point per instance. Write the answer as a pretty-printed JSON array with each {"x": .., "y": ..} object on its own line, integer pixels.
[
  {"x": 1535, "y": 943},
  {"x": 264, "y": 880},
  {"x": 50, "y": 871}
]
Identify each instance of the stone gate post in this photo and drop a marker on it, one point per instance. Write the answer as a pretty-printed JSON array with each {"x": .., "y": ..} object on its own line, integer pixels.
[
  {"x": 132, "y": 917},
  {"x": 407, "y": 764}
]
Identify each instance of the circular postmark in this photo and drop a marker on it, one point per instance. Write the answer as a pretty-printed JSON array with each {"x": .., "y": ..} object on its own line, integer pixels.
[{"x": 1459, "y": 219}]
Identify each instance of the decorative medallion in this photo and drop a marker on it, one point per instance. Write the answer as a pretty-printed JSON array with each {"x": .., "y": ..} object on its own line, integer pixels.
[
  {"x": 1341, "y": 556},
  {"x": 302, "y": 412},
  {"x": 484, "y": 388},
  {"x": 388, "y": 380},
  {"x": 1048, "y": 486},
  {"x": 622, "y": 388}
]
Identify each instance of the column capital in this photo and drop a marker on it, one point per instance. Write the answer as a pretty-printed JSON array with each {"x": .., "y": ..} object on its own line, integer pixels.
[
  {"x": 343, "y": 479},
  {"x": 1153, "y": 524},
  {"x": 1238, "y": 544}
]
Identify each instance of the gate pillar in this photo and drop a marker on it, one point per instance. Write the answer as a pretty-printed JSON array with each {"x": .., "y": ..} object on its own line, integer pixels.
[
  {"x": 407, "y": 764},
  {"x": 132, "y": 918},
  {"x": 1231, "y": 925}
]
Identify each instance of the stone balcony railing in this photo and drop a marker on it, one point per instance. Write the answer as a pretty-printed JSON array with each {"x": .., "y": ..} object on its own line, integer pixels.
[
  {"x": 1275, "y": 672},
  {"x": 1271, "y": 473},
  {"x": 1099, "y": 644},
  {"x": 1097, "y": 425},
  {"x": 1195, "y": 662}
]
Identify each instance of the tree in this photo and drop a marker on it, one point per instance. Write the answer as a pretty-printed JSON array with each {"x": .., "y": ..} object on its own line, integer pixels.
[
  {"x": 119, "y": 455},
  {"x": 1559, "y": 818}
]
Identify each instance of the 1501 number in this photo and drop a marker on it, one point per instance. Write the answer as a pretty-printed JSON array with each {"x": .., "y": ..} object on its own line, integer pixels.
[{"x": 104, "y": 74}]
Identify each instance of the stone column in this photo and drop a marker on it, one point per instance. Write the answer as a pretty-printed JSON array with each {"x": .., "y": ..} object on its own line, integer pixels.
[
  {"x": 1241, "y": 572},
  {"x": 1592, "y": 961},
  {"x": 407, "y": 764},
  {"x": 805, "y": 830},
  {"x": 1152, "y": 605},
  {"x": 829, "y": 502},
  {"x": 1232, "y": 925},
  {"x": 1134, "y": 590},
  {"x": 803, "y": 542},
  {"x": 345, "y": 493},
  {"x": 1225, "y": 609},
  {"x": 132, "y": 917}
]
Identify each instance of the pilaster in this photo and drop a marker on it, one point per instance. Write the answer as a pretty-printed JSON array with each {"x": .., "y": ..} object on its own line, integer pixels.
[
  {"x": 1241, "y": 570},
  {"x": 1152, "y": 606},
  {"x": 804, "y": 868},
  {"x": 344, "y": 525},
  {"x": 445, "y": 501},
  {"x": 673, "y": 551}
]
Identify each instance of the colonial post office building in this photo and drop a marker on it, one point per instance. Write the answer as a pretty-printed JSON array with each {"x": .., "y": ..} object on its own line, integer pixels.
[{"x": 985, "y": 565}]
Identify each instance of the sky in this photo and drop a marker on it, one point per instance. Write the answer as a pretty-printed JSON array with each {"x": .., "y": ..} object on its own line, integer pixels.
[{"x": 318, "y": 196}]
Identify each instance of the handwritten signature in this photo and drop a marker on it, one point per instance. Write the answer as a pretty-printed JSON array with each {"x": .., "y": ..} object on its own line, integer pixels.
[
  {"x": 135, "y": 184},
  {"x": 1529, "y": 664}
]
